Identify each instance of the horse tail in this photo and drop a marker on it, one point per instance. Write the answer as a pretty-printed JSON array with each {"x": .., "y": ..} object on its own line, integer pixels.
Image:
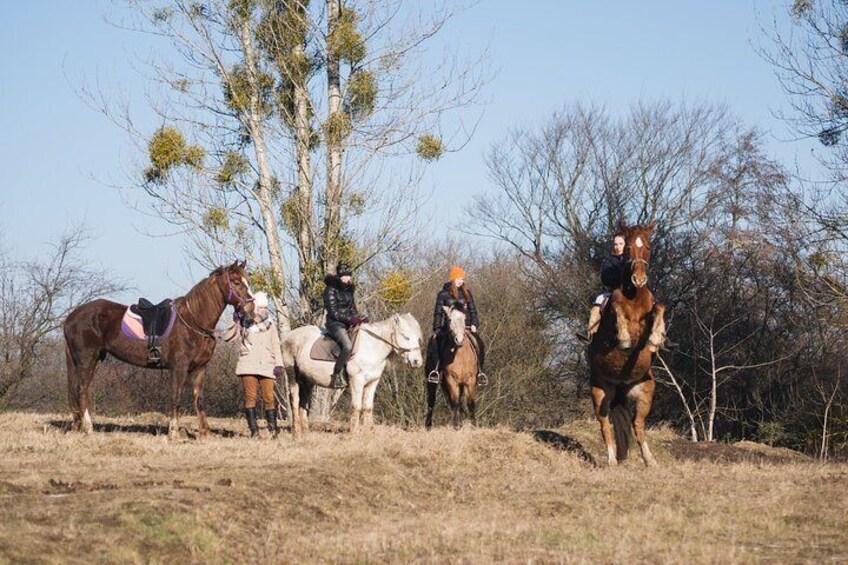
[{"x": 622, "y": 429}]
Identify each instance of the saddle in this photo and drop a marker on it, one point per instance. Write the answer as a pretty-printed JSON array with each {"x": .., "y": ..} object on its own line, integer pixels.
[
  {"x": 325, "y": 347},
  {"x": 156, "y": 321}
]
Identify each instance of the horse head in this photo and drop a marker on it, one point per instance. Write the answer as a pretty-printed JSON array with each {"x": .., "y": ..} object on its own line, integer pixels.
[
  {"x": 456, "y": 319},
  {"x": 234, "y": 285},
  {"x": 637, "y": 250},
  {"x": 407, "y": 338}
]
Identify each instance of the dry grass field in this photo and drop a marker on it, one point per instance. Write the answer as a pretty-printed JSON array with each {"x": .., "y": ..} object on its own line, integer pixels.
[{"x": 127, "y": 495}]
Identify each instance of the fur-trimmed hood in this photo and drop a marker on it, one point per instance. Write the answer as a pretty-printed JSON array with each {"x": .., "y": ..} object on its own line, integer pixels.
[{"x": 336, "y": 282}]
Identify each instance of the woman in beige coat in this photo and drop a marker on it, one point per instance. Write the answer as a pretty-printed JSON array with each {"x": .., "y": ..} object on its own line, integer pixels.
[{"x": 260, "y": 363}]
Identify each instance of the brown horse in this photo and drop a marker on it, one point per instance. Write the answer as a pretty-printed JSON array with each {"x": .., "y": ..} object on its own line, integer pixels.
[
  {"x": 93, "y": 330},
  {"x": 458, "y": 369},
  {"x": 632, "y": 328}
]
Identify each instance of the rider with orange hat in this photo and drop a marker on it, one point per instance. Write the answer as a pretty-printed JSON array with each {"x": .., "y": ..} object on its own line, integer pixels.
[{"x": 455, "y": 293}]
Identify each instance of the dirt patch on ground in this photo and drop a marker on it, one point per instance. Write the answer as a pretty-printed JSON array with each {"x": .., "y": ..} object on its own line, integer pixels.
[{"x": 741, "y": 452}]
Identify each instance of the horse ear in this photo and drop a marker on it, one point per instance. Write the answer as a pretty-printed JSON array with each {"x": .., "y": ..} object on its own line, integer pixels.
[
  {"x": 651, "y": 227},
  {"x": 243, "y": 264},
  {"x": 446, "y": 309},
  {"x": 622, "y": 227}
]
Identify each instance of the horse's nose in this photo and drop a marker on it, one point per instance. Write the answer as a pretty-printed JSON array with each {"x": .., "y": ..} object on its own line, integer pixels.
[{"x": 639, "y": 281}]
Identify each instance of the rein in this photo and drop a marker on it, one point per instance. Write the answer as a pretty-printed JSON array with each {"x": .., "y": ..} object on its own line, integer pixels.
[
  {"x": 396, "y": 348},
  {"x": 196, "y": 328}
]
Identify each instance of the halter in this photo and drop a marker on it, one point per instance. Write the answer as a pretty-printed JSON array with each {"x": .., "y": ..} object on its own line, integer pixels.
[{"x": 231, "y": 293}]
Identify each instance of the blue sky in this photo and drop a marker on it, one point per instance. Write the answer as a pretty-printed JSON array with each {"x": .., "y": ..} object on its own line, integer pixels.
[{"x": 546, "y": 53}]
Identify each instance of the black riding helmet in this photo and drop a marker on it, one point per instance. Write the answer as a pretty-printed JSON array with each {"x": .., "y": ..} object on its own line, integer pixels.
[{"x": 343, "y": 269}]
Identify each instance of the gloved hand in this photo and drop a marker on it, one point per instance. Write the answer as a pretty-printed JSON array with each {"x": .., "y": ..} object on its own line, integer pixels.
[
  {"x": 278, "y": 371},
  {"x": 358, "y": 320}
]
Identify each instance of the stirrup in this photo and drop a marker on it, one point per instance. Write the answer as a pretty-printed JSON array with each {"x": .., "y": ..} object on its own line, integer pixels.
[
  {"x": 482, "y": 379},
  {"x": 154, "y": 356},
  {"x": 434, "y": 377}
]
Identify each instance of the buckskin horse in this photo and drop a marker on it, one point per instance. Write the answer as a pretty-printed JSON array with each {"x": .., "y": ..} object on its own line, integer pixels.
[
  {"x": 93, "y": 330},
  {"x": 400, "y": 334},
  {"x": 458, "y": 369},
  {"x": 631, "y": 330}
]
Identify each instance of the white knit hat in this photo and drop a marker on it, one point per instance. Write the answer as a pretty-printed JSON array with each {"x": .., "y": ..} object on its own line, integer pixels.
[{"x": 260, "y": 300}]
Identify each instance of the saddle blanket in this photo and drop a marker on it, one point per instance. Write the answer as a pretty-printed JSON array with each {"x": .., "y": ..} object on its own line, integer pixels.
[
  {"x": 132, "y": 326},
  {"x": 325, "y": 348}
]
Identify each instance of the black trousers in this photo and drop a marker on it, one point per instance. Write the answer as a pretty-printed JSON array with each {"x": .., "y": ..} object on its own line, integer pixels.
[
  {"x": 434, "y": 346},
  {"x": 339, "y": 333}
]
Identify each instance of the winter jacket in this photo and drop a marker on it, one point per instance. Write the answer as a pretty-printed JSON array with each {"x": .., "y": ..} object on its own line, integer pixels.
[
  {"x": 259, "y": 348},
  {"x": 339, "y": 301},
  {"x": 612, "y": 268},
  {"x": 444, "y": 298}
]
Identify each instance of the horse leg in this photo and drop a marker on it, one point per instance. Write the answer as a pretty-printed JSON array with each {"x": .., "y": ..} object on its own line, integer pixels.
[
  {"x": 601, "y": 398},
  {"x": 357, "y": 387},
  {"x": 294, "y": 401},
  {"x": 643, "y": 394},
  {"x": 471, "y": 400},
  {"x": 431, "y": 390},
  {"x": 452, "y": 391},
  {"x": 73, "y": 389},
  {"x": 199, "y": 402},
  {"x": 368, "y": 404},
  {"x": 657, "y": 337},
  {"x": 178, "y": 376},
  {"x": 305, "y": 398},
  {"x": 83, "y": 374},
  {"x": 621, "y": 325}
]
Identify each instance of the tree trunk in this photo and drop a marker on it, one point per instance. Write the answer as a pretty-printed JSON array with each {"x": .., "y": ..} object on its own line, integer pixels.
[
  {"x": 332, "y": 219},
  {"x": 713, "y": 388},
  {"x": 323, "y": 398},
  {"x": 264, "y": 198}
]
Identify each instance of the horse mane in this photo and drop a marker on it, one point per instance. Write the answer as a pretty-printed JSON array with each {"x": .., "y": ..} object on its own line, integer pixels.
[{"x": 200, "y": 286}]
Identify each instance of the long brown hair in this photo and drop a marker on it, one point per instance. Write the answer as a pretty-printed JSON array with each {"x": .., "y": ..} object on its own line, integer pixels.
[{"x": 455, "y": 294}]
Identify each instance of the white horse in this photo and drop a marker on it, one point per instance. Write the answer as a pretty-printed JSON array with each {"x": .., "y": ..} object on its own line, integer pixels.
[{"x": 400, "y": 334}]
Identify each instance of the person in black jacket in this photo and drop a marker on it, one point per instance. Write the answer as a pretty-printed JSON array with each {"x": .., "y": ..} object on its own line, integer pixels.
[
  {"x": 454, "y": 292},
  {"x": 342, "y": 314},
  {"x": 612, "y": 268}
]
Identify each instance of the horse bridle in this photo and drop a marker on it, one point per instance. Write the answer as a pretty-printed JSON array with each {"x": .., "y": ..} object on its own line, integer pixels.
[
  {"x": 241, "y": 300},
  {"x": 197, "y": 328}
]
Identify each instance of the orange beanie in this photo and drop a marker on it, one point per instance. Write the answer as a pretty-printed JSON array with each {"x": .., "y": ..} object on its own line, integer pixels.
[{"x": 456, "y": 273}]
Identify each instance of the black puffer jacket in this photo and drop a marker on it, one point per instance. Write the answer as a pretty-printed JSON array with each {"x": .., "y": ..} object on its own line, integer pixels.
[
  {"x": 339, "y": 301},
  {"x": 612, "y": 268},
  {"x": 444, "y": 298}
]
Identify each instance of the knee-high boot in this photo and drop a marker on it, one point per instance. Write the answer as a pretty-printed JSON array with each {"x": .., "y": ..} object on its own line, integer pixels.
[
  {"x": 250, "y": 413},
  {"x": 271, "y": 419}
]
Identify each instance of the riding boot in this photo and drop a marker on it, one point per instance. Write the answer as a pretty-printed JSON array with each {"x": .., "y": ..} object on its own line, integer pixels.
[
  {"x": 594, "y": 322},
  {"x": 338, "y": 379},
  {"x": 271, "y": 419},
  {"x": 482, "y": 378},
  {"x": 431, "y": 373},
  {"x": 251, "y": 422}
]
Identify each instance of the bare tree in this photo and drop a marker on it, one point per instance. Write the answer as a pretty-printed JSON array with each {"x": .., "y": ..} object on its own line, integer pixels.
[{"x": 35, "y": 298}]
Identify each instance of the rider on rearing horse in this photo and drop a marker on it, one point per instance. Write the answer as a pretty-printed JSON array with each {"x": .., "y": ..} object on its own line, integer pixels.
[
  {"x": 612, "y": 268},
  {"x": 341, "y": 316},
  {"x": 455, "y": 293}
]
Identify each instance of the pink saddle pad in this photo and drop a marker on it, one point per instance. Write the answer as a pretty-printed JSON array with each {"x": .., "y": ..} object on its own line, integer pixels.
[{"x": 131, "y": 325}]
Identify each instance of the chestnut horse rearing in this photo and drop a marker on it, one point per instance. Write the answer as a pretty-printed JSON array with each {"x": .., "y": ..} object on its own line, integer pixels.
[
  {"x": 93, "y": 330},
  {"x": 620, "y": 355}
]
